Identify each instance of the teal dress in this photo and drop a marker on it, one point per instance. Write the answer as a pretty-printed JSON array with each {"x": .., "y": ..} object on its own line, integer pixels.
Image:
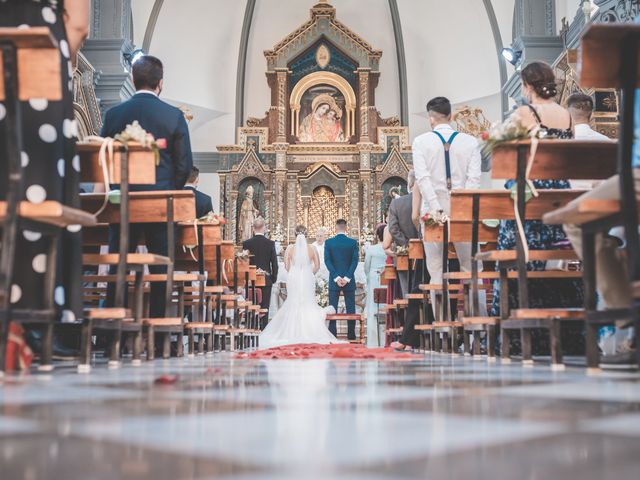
[{"x": 374, "y": 262}]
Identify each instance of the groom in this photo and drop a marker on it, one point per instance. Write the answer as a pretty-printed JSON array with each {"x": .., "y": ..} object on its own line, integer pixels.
[{"x": 341, "y": 258}]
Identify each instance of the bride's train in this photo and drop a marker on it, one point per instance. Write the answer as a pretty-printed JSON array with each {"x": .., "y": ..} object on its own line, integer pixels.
[{"x": 300, "y": 319}]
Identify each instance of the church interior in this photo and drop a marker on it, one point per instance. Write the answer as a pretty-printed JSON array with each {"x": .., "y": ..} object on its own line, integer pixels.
[{"x": 359, "y": 239}]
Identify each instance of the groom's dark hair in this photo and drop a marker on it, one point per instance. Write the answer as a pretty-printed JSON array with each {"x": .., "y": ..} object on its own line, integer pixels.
[
  {"x": 341, "y": 222},
  {"x": 439, "y": 105},
  {"x": 147, "y": 73}
]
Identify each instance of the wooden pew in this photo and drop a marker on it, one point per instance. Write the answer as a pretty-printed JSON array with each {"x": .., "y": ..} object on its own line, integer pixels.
[
  {"x": 145, "y": 207},
  {"x": 556, "y": 159},
  {"x": 29, "y": 68},
  {"x": 609, "y": 59}
]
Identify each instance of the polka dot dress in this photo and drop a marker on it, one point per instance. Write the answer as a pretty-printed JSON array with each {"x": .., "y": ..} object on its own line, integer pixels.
[{"x": 50, "y": 171}]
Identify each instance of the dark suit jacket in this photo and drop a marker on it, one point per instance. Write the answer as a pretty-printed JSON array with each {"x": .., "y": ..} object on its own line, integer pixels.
[
  {"x": 204, "y": 205},
  {"x": 341, "y": 258},
  {"x": 162, "y": 121},
  {"x": 264, "y": 256},
  {"x": 401, "y": 226}
]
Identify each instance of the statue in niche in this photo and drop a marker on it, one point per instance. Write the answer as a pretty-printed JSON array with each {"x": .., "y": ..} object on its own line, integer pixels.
[
  {"x": 324, "y": 123},
  {"x": 248, "y": 213}
]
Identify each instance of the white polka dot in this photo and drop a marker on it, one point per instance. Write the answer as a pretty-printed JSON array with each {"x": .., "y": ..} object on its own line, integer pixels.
[
  {"x": 31, "y": 236},
  {"x": 39, "y": 263},
  {"x": 24, "y": 26},
  {"x": 76, "y": 163},
  {"x": 16, "y": 293},
  {"x": 48, "y": 133},
  {"x": 61, "y": 167},
  {"x": 3, "y": 112},
  {"x": 24, "y": 159},
  {"x": 64, "y": 48},
  {"x": 70, "y": 128},
  {"x": 39, "y": 104},
  {"x": 49, "y": 15},
  {"x": 71, "y": 85},
  {"x": 36, "y": 194},
  {"x": 74, "y": 228},
  {"x": 58, "y": 296},
  {"x": 68, "y": 316},
  {"x": 70, "y": 69}
]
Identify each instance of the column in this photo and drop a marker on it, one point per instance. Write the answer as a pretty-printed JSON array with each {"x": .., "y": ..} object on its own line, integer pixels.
[
  {"x": 280, "y": 182},
  {"x": 109, "y": 40},
  {"x": 363, "y": 81},
  {"x": 282, "y": 76}
]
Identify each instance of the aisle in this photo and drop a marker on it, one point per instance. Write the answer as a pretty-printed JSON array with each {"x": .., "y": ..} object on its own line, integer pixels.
[{"x": 439, "y": 417}]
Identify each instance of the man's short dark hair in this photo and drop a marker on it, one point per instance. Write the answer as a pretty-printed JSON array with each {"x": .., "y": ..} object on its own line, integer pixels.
[
  {"x": 193, "y": 176},
  {"x": 581, "y": 101},
  {"x": 440, "y": 105},
  {"x": 147, "y": 73},
  {"x": 341, "y": 222}
]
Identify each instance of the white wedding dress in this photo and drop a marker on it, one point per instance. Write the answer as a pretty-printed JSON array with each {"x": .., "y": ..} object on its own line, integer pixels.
[{"x": 300, "y": 319}]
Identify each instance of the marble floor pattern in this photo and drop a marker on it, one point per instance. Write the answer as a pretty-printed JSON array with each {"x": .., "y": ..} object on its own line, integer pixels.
[{"x": 437, "y": 416}]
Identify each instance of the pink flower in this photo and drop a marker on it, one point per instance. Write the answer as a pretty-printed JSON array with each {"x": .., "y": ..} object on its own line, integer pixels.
[{"x": 161, "y": 143}]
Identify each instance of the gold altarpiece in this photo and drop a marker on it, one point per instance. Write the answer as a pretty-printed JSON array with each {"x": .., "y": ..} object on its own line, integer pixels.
[{"x": 323, "y": 150}]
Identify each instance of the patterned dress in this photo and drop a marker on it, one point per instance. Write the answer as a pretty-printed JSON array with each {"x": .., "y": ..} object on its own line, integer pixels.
[{"x": 50, "y": 170}]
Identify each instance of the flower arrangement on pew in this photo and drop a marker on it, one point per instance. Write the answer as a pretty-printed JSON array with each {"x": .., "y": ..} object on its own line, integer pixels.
[
  {"x": 402, "y": 250},
  {"x": 212, "y": 219},
  {"x": 243, "y": 255},
  {"x": 435, "y": 220},
  {"x": 135, "y": 133},
  {"x": 508, "y": 131}
]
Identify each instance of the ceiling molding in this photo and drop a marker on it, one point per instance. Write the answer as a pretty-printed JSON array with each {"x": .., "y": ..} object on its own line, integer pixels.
[
  {"x": 242, "y": 61},
  {"x": 151, "y": 25},
  {"x": 402, "y": 62}
]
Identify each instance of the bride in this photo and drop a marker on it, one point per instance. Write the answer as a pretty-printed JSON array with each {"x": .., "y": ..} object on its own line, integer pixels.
[{"x": 300, "y": 319}]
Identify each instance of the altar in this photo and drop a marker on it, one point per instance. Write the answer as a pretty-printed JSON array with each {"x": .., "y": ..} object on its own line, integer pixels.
[{"x": 322, "y": 151}]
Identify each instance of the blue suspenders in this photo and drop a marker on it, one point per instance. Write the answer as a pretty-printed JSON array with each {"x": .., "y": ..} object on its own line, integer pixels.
[{"x": 447, "y": 157}]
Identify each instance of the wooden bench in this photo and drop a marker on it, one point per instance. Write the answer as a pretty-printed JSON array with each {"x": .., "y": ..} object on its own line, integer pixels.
[{"x": 346, "y": 317}]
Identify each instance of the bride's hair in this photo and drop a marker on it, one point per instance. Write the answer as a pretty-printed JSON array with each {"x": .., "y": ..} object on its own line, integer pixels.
[{"x": 301, "y": 230}]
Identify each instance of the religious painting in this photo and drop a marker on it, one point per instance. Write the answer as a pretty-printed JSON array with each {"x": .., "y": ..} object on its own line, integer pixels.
[{"x": 322, "y": 114}]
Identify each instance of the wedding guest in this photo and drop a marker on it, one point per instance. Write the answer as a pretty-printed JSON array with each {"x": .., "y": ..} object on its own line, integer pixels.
[
  {"x": 49, "y": 162},
  {"x": 401, "y": 225},
  {"x": 163, "y": 121},
  {"x": 445, "y": 160},
  {"x": 374, "y": 261},
  {"x": 264, "y": 257},
  {"x": 543, "y": 112},
  {"x": 580, "y": 107},
  {"x": 204, "y": 204}
]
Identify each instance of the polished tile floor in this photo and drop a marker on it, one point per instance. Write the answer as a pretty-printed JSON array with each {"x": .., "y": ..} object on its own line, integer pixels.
[{"x": 437, "y": 416}]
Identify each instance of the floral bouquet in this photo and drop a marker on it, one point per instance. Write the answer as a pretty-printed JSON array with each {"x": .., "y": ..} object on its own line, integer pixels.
[
  {"x": 212, "y": 219},
  {"x": 243, "y": 255},
  {"x": 367, "y": 234},
  {"x": 432, "y": 220},
  {"x": 278, "y": 235},
  {"x": 402, "y": 250},
  {"x": 135, "y": 133},
  {"x": 322, "y": 292},
  {"x": 509, "y": 130}
]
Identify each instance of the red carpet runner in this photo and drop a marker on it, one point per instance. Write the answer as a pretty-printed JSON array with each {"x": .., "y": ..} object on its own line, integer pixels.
[{"x": 344, "y": 351}]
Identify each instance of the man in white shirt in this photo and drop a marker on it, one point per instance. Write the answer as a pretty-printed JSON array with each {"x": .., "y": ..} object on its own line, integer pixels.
[
  {"x": 581, "y": 109},
  {"x": 436, "y": 180}
]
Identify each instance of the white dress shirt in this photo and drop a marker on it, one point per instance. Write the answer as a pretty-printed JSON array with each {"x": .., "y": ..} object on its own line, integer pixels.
[
  {"x": 429, "y": 166},
  {"x": 583, "y": 131}
]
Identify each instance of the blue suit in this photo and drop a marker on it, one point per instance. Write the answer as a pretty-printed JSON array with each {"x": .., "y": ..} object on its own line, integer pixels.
[{"x": 341, "y": 258}]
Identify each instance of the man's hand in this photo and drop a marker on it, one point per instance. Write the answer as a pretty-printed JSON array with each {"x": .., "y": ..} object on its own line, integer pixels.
[{"x": 341, "y": 282}]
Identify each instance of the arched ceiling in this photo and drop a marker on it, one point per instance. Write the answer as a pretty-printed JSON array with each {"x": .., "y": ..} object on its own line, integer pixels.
[{"x": 449, "y": 49}]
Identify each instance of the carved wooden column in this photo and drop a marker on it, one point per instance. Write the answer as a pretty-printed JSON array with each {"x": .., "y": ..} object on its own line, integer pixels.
[
  {"x": 363, "y": 81},
  {"x": 280, "y": 195},
  {"x": 282, "y": 77},
  {"x": 365, "y": 181},
  {"x": 292, "y": 193}
]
